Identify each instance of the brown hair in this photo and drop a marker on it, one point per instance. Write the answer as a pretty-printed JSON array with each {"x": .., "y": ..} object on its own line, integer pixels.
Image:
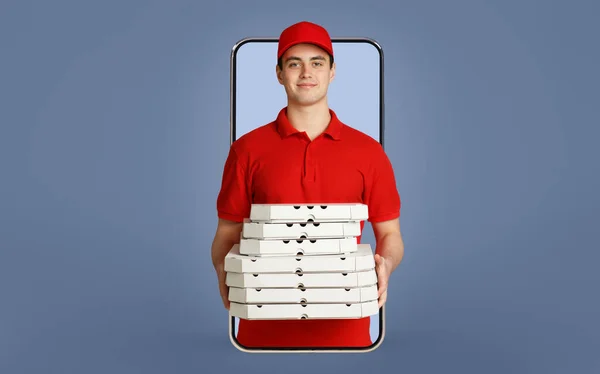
[{"x": 280, "y": 61}]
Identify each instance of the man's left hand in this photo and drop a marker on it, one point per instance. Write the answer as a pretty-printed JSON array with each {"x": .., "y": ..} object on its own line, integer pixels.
[{"x": 383, "y": 270}]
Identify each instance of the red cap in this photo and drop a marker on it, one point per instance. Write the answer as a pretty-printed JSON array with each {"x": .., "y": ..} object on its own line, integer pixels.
[{"x": 304, "y": 32}]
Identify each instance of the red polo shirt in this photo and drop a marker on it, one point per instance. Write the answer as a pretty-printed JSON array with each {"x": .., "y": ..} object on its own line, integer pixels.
[{"x": 276, "y": 164}]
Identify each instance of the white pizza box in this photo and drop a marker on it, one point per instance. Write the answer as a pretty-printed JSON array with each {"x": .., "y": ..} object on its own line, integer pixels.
[
  {"x": 360, "y": 260},
  {"x": 301, "y": 280},
  {"x": 322, "y": 212},
  {"x": 302, "y": 296},
  {"x": 290, "y": 247},
  {"x": 332, "y": 230},
  {"x": 304, "y": 311}
]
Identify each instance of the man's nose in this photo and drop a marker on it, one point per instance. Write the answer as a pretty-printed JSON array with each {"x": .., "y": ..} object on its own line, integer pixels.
[{"x": 306, "y": 70}]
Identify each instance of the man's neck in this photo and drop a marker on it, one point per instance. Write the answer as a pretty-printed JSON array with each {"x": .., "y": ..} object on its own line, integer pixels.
[{"x": 312, "y": 119}]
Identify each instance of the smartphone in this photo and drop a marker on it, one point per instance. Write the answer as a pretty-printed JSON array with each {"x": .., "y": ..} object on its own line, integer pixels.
[{"x": 356, "y": 95}]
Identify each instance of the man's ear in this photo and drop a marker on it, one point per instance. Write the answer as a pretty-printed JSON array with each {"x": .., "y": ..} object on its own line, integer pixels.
[
  {"x": 332, "y": 73},
  {"x": 278, "y": 72}
]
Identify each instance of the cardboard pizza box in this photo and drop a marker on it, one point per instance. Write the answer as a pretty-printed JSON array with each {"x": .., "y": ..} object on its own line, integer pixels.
[
  {"x": 360, "y": 260},
  {"x": 322, "y": 212},
  {"x": 332, "y": 230},
  {"x": 302, "y": 280},
  {"x": 302, "y": 296},
  {"x": 304, "y": 311},
  {"x": 291, "y": 247}
]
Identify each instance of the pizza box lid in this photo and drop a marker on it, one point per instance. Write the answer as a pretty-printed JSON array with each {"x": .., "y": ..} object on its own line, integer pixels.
[
  {"x": 321, "y": 212},
  {"x": 291, "y": 247},
  {"x": 310, "y": 230},
  {"x": 360, "y": 260},
  {"x": 302, "y": 296},
  {"x": 304, "y": 311},
  {"x": 301, "y": 280}
]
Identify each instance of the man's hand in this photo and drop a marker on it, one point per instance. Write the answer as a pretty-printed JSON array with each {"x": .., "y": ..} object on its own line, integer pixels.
[
  {"x": 383, "y": 270},
  {"x": 223, "y": 288},
  {"x": 388, "y": 254},
  {"x": 228, "y": 234}
]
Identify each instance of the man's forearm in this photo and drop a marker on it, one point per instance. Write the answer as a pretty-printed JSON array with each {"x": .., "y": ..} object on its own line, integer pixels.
[
  {"x": 391, "y": 247},
  {"x": 227, "y": 235},
  {"x": 220, "y": 247}
]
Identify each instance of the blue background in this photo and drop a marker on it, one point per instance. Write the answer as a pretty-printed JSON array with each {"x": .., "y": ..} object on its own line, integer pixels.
[
  {"x": 354, "y": 95},
  {"x": 115, "y": 126}
]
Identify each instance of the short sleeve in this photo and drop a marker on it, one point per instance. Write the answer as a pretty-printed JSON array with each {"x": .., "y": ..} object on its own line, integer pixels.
[
  {"x": 233, "y": 201},
  {"x": 381, "y": 192}
]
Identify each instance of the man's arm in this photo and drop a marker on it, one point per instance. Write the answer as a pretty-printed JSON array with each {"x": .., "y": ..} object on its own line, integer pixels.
[
  {"x": 388, "y": 253},
  {"x": 389, "y": 243},
  {"x": 227, "y": 234}
]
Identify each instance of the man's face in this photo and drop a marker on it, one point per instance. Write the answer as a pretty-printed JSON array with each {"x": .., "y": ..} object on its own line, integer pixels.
[{"x": 305, "y": 74}]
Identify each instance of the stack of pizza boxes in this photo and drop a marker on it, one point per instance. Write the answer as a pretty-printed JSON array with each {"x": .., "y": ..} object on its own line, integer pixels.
[{"x": 302, "y": 262}]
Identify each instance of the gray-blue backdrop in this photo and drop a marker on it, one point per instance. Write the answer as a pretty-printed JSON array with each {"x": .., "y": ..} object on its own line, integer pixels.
[{"x": 114, "y": 129}]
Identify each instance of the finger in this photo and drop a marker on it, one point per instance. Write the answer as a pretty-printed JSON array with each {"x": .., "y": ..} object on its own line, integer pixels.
[
  {"x": 382, "y": 283},
  {"x": 225, "y": 296},
  {"x": 380, "y": 264},
  {"x": 223, "y": 288},
  {"x": 380, "y": 269},
  {"x": 381, "y": 290},
  {"x": 382, "y": 299},
  {"x": 382, "y": 275}
]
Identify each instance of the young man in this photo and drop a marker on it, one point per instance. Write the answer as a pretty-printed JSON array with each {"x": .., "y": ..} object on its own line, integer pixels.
[{"x": 307, "y": 155}]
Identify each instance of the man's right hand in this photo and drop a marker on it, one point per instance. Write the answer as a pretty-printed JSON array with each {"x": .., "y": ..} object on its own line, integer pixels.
[
  {"x": 223, "y": 288},
  {"x": 228, "y": 234}
]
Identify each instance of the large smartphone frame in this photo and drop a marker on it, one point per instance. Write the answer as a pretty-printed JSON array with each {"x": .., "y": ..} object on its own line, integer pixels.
[{"x": 232, "y": 138}]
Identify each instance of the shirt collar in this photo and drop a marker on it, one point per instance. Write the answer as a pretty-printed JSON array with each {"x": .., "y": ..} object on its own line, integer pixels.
[{"x": 285, "y": 129}]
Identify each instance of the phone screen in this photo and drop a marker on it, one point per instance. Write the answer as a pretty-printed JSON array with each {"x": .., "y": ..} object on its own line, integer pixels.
[{"x": 355, "y": 94}]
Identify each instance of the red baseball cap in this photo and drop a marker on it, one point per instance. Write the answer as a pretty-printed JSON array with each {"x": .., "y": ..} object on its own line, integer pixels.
[{"x": 304, "y": 32}]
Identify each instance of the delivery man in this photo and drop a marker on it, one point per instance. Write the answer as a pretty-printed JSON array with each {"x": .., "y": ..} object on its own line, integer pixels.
[{"x": 307, "y": 155}]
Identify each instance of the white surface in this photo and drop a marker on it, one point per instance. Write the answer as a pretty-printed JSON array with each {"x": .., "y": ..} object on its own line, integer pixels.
[
  {"x": 306, "y": 311},
  {"x": 297, "y": 296},
  {"x": 323, "y": 212},
  {"x": 360, "y": 260},
  {"x": 277, "y": 247},
  {"x": 333, "y": 230},
  {"x": 310, "y": 280}
]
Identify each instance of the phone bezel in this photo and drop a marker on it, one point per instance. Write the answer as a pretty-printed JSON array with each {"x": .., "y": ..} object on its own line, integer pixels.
[{"x": 232, "y": 136}]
